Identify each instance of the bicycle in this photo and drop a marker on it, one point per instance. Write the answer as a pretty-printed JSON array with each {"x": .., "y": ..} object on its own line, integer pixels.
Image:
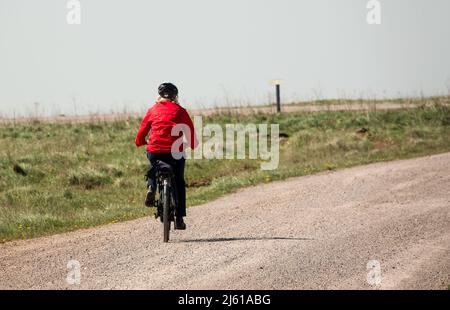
[{"x": 167, "y": 197}]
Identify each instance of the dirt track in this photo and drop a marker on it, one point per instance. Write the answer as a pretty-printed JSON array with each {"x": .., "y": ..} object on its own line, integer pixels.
[{"x": 314, "y": 232}]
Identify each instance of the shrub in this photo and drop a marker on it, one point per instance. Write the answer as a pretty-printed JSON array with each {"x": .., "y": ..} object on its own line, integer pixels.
[{"x": 89, "y": 178}]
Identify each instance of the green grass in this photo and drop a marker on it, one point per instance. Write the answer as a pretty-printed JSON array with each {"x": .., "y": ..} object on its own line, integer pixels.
[
  {"x": 82, "y": 175},
  {"x": 401, "y": 101}
]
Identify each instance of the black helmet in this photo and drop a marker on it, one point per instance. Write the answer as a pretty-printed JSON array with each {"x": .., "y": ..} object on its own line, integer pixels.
[{"x": 168, "y": 91}]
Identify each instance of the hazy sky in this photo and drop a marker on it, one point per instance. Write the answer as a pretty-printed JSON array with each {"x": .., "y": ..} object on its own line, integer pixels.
[{"x": 216, "y": 51}]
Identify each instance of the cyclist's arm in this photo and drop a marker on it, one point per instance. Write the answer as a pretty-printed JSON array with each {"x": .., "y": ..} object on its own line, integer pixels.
[
  {"x": 186, "y": 119},
  {"x": 144, "y": 129}
]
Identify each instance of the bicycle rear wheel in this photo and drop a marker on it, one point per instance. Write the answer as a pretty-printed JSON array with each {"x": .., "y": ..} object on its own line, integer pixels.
[{"x": 166, "y": 211}]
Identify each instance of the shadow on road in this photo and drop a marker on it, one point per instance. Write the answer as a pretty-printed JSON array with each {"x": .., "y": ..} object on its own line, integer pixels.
[{"x": 242, "y": 239}]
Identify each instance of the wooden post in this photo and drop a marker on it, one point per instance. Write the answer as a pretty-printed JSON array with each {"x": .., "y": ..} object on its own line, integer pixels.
[{"x": 277, "y": 86}]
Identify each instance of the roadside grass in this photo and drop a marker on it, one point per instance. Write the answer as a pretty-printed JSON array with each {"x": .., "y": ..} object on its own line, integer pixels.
[{"x": 61, "y": 177}]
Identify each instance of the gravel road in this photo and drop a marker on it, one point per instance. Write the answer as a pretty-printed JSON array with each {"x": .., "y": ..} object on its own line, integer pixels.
[{"x": 313, "y": 232}]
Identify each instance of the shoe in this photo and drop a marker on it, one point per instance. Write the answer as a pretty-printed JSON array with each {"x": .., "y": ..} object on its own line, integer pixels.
[
  {"x": 179, "y": 224},
  {"x": 150, "y": 198}
]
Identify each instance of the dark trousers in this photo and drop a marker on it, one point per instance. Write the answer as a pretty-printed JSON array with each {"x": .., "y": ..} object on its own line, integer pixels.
[{"x": 178, "y": 169}]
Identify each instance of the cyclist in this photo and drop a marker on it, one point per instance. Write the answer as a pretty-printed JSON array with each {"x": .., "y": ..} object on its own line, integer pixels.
[{"x": 159, "y": 121}]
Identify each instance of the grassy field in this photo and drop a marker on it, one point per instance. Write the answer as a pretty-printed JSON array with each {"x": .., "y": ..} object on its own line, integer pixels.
[
  {"x": 403, "y": 101},
  {"x": 60, "y": 177}
]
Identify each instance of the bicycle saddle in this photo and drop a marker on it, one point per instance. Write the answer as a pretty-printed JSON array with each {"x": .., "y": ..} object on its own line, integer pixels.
[{"x": 163, "y": 167}]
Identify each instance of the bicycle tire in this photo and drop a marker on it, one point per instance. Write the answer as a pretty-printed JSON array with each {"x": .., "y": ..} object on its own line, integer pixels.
[{"x": 166, "y": 211}]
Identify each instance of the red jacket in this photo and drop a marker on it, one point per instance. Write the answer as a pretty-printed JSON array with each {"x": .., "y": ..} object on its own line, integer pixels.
[{"x": 161, "y": 118}]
